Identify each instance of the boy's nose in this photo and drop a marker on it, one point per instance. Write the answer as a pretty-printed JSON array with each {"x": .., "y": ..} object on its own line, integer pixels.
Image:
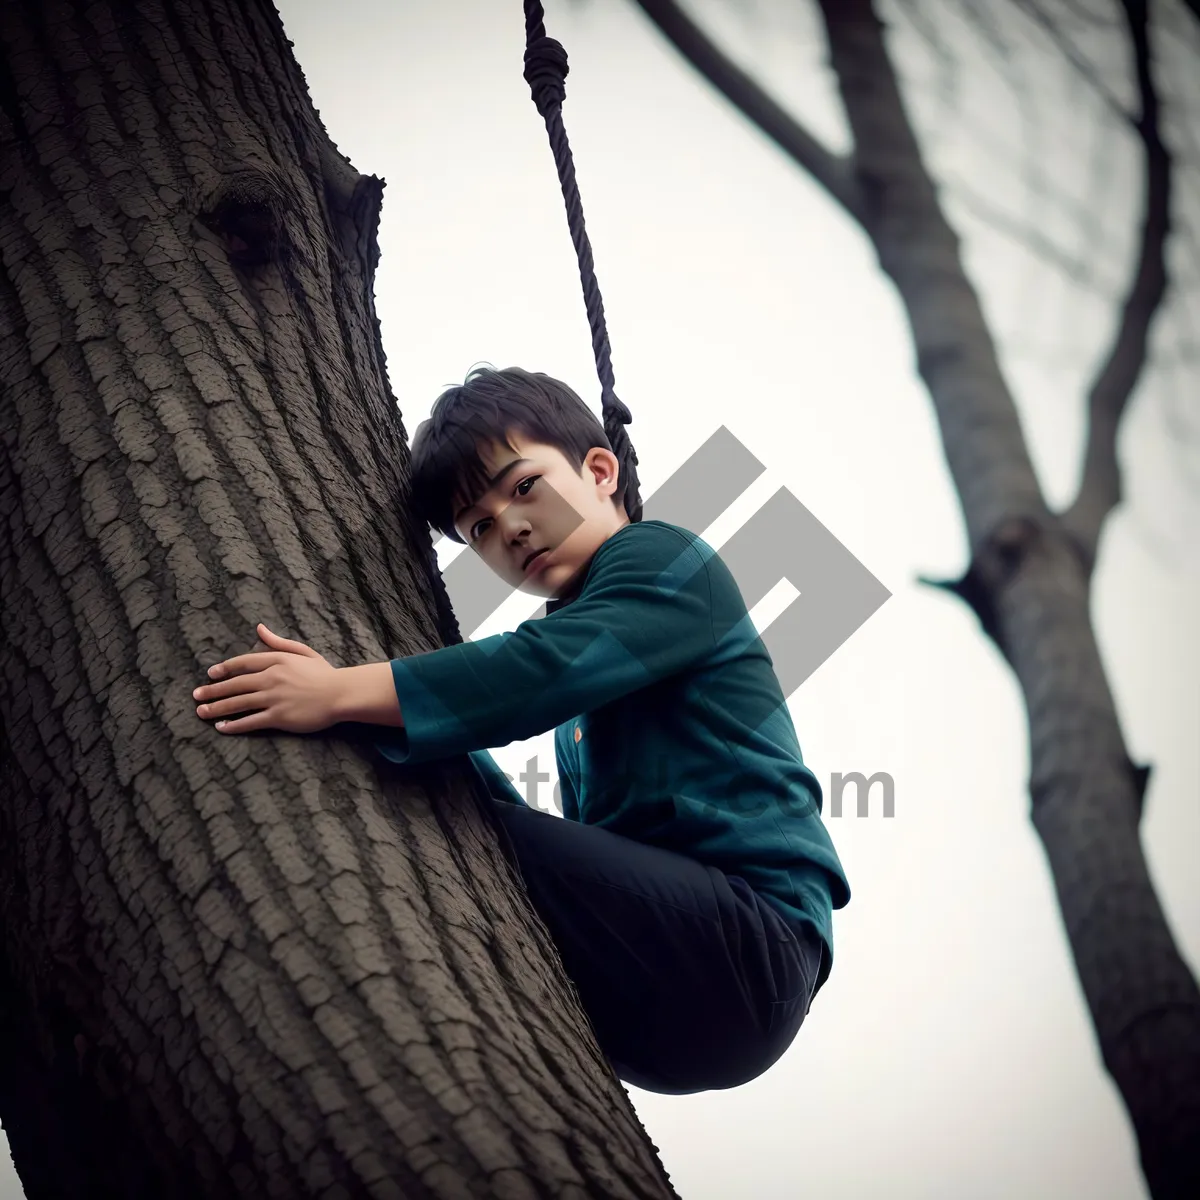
[{"x": 515, "y": 525}]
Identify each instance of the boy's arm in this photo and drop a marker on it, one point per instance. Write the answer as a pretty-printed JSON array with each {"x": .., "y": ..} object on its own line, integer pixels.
[
  {"x": 649, "y": 609},
  {"x": 293, "y": 688},
  {"x": 367, "y": 693},
  {"x": 646, "y": 613}
]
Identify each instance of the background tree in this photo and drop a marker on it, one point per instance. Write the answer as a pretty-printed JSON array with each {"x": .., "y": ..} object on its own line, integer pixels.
[
  {"x": 1031, "y": 563},
  {"x": 233, "y": 967}
]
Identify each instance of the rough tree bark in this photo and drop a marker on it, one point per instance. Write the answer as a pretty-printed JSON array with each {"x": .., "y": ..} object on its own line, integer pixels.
[
  {"x": 1030, "y": 571},
  {"x": 254, "y": 967}
]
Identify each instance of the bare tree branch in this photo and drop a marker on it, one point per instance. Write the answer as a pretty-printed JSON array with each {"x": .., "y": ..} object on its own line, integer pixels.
[
  {"x": 1027, "y": 229},
  {"x": 1077, "y": 60},
  {"x": 929, "y": 32},
  {"x": 1100, "y": 486},
  {"x": 834, "y": 172},
  {"x": 981, "y": 17},
  {"x": 1025, "y": 233}
]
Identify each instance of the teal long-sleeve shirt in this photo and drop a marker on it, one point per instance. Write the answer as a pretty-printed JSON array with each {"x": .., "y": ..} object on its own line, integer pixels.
[{"x": 669, "y": 723}]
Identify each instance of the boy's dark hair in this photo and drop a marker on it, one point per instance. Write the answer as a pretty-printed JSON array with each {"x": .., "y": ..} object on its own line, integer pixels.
[{"x": 484, "y": 409}]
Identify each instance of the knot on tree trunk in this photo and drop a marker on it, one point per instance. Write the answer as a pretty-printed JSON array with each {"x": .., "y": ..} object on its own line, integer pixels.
[
  {"x": 1044, "y": 789},
  {"x": 997, "y": 562},
  {"x": 247, "y": 211}
]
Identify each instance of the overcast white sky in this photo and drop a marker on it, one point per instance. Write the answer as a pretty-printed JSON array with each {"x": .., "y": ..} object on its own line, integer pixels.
[{"x": 950, "y": 1055}]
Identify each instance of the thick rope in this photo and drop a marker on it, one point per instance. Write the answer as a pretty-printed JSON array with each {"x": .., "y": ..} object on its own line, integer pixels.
[{"x": 546, "y": 73}]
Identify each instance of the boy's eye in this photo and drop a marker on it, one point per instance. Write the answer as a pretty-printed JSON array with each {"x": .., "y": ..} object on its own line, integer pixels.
[{"x": 480, "y": 527}]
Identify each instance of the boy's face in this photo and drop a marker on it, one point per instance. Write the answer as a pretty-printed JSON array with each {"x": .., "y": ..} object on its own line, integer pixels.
[{"x": 539, "y": 502}]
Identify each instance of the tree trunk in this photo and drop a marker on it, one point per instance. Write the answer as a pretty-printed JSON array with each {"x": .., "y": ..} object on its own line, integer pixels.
[
  {"x": 252, "y": 967},
  {"x": 1029, "y": 584},
  {"x": 1030, "y": 568}
]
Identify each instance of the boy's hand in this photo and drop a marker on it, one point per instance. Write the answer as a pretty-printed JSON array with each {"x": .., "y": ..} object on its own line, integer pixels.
[{"x": 289, "y": 687}]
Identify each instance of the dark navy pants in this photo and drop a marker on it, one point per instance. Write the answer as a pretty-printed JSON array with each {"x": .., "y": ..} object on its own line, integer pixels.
[{"x": 690, "y": 980}]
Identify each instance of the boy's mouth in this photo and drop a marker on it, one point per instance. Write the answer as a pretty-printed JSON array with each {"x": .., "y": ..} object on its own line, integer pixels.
[{"x": 534, "y": 557}]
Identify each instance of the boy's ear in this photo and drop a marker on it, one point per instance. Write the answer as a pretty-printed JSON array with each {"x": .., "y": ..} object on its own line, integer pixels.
[{"x": 602, "y": 464}]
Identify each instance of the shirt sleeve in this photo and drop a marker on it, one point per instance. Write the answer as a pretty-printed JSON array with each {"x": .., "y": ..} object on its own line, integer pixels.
[
  {"x": 643, "y": 614},
  {"x": 498, "y": 784}
]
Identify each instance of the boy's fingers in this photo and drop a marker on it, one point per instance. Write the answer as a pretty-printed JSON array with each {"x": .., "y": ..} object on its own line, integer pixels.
[
  {"x": 288, "y": 644},
  {"x": 239, "y": 685},
  {"x": 232, "y": 706},
  {"x": 245, "y": 724},
  {"x": 243, "y": 664}
]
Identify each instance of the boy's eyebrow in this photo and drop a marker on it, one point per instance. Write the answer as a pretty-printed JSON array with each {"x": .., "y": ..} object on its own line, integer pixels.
[{"x": 491, "y": 483}]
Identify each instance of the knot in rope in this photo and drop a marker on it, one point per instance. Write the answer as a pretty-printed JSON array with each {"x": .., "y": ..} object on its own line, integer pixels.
[
  {"x": 622, "y": 448},
  {"x": 616, "y": 408},
  {"x": 546, "y": 73}
]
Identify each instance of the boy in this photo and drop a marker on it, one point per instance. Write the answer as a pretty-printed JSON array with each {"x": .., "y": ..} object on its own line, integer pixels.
[{"x": 689, "y": 888}]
